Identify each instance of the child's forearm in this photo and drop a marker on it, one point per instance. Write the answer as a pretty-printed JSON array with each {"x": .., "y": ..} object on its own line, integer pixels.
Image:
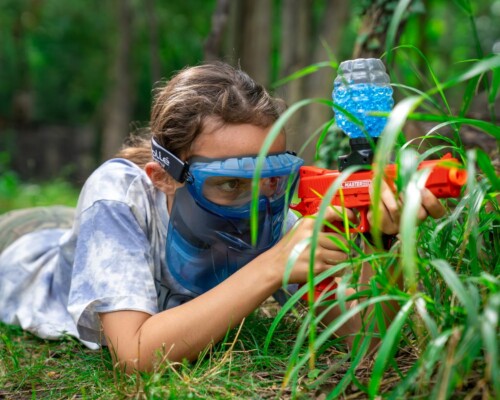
[{"x": 186, "y": 330}]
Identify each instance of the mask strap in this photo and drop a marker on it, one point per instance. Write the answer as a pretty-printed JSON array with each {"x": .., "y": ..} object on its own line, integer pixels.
[{"x": 178, "y": 169}]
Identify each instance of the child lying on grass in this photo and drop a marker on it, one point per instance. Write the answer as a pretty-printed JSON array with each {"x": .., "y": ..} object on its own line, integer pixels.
[{"x": 158, "y": 254}]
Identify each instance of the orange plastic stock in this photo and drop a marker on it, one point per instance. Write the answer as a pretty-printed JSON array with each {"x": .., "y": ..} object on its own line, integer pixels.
[{"x": 445, "y": 181}]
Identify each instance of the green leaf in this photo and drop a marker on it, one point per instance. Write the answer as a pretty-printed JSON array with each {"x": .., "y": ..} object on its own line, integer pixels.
[
  {"x": 489, "y": 330},
  {"x": 388, "y": 348},
  {"x": 385, "y": 145},
  {"x": 310, "y": 69},
  {"x": 393, "y": 27},
  {"x": 314, "y": 373},
  {"x": 484, "y": 162},
  {"x": 458, "y": 289}
]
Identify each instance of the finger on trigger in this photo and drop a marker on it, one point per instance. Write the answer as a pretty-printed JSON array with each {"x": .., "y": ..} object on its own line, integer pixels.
[
  {"x": 389, "y": 226},
  {"x": 432, "y": 205},
  {"x": 422, "y": 214}
]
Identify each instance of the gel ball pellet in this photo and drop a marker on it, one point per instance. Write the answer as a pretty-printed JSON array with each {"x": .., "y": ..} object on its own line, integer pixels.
[{"x": 362, "y": 86}]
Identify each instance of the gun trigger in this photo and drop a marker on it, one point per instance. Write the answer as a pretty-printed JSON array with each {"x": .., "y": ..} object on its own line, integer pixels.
[
  {"x": 299, "y": 207},
  {"x": 364, "y": 225}
]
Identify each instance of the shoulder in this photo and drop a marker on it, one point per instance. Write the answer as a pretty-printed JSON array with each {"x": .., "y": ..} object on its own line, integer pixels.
[
  {"x": 116, "y": 172},
  {"x": 115, "y": 180}
]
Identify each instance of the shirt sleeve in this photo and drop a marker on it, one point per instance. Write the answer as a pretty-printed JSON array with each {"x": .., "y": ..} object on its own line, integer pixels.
[{"x": 113, "y": 267}]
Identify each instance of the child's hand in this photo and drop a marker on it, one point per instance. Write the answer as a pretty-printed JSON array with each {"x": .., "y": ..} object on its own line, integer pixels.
[
  {"x": 391, "y": 209},
  {"x": 328, "y": 251}
]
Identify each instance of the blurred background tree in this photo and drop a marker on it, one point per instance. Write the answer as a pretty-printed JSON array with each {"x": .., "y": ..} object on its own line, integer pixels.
[{"x": 77, "y": 76}]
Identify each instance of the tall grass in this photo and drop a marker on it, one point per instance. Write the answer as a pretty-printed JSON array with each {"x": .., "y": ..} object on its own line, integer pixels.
[{"x": 450, "y": 301}]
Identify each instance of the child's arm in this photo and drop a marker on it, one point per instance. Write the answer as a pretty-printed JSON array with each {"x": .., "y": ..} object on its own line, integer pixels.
[{"x": 184, "y": 331}]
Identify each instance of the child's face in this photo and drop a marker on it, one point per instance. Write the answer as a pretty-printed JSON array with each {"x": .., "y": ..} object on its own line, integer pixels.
[
  {"x": 234, "y": 141},
  {"x": 212, "y": 211},
  {"x": 229, "y": 141}
]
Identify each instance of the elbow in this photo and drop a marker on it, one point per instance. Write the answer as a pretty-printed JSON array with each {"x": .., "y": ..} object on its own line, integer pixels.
[{"x": 131, "y": 361}]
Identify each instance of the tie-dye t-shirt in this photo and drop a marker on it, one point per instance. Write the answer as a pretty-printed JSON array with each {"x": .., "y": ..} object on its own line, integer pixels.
[{"x": 57, "y": 281}]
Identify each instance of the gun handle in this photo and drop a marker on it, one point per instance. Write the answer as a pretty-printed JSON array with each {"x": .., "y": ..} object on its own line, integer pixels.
[
  {"x": 325, "y": 285},
  {"x": 329, "y": 284}
]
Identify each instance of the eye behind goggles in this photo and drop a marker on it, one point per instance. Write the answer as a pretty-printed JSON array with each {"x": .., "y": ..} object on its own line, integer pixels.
[{"x": 224, "y": 186}]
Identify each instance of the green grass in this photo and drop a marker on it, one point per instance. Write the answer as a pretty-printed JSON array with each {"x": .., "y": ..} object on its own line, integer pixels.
[
  {"x": 35, "y": 368},
  {"x": 442, "y": 344},
  {"x": 239, "y": 367},
  {"x": 236, "y": 368},
  {"x": 15, "y": 194}
]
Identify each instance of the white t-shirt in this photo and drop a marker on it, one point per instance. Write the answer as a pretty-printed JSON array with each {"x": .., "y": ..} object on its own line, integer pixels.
[{"x": 56, "y": 281}]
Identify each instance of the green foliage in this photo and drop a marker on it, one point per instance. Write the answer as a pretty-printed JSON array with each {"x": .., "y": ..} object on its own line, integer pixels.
[
  {"x": 15, "y": 194},
  {"x": 62, "y": 52},
  {"x": 9, "y": 182},
  {"x": 449, "y": 306}
]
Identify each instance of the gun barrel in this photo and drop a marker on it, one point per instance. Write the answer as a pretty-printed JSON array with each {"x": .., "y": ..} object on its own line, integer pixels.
[
  {"x": 458, "y": 176},
  {"x": 446, "y": 178}
]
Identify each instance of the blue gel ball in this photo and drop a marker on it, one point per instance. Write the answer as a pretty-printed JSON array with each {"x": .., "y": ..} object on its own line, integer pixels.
[{"x": 362, "y": 86}]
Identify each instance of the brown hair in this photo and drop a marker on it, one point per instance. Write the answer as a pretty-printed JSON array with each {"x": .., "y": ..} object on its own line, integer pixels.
[{"x": 180, "y": 108}]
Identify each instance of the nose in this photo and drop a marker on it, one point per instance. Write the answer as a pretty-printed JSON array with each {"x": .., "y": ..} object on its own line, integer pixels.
[{"x": 268, "y": 186}]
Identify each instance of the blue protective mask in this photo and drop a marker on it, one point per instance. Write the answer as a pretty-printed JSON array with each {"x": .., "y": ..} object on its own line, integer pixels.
[{"x": 209, "y": 230}]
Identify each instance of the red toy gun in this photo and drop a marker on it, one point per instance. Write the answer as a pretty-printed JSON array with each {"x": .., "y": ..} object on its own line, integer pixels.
[{"x": 444, "y": 181}]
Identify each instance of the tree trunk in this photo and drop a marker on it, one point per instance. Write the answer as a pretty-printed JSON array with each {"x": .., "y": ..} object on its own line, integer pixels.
[
  {"x": 256, "y": 40},
  {"x": 320, "y": 83},
  {"x": 154, "y": 43},
  {"x": 296, "y": 17},
  {"x": 119, "y": 103},
  {"x": 23, "y": 101},
  {"x": 220, "y": 18},
  {"x": 373, "y": 32},
  {"x": 233, "y": 40}
]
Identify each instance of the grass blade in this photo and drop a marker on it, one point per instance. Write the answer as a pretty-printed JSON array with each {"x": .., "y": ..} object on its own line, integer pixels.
[
  {"x": 457, "y": 288},
  {"x": 388, "y": 348},
  {"x": 438, "y": 86},
  {"x": 484, "y": 163},
  {"x": 310, "y": 69},
  {"x": 489, "y": 330},
  {"x": 386, "y": 143},
  {"x": 275, "y": 131},
  {"x": 392, "y": 30}
]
